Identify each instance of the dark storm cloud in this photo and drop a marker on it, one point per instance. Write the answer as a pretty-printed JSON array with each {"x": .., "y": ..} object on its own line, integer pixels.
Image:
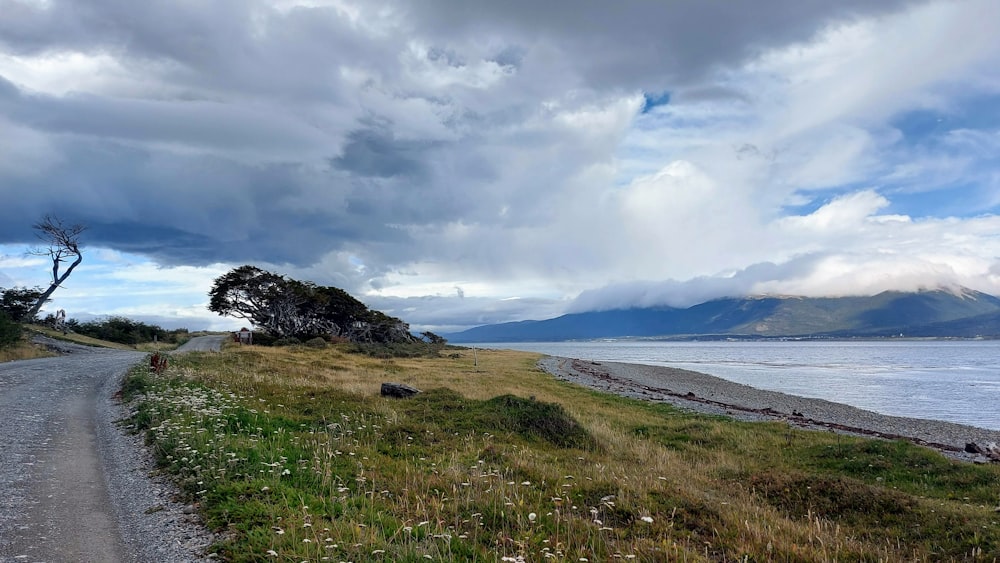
[
  {"x": 191, "y": 123},
  {"x": 235, "y": 131},
  {"x": 189, "y": 209},
  {"x": 375, "y": 152},
  {"x": 647, "y": 45},
  {"x": 221, "y": 49}
]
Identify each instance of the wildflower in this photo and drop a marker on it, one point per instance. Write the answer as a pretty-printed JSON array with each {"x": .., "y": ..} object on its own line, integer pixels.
[
  {"x": 272, "y": 553},
  {"x": 532, "y": 516},
  {"x": 647, "y": 519}
]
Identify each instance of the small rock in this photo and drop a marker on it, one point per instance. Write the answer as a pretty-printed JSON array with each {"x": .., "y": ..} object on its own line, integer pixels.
[{"x": 398, "y": 390}]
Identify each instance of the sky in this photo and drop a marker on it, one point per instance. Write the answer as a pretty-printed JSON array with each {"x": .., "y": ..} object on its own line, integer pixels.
[{"x": 466, "y": 163}]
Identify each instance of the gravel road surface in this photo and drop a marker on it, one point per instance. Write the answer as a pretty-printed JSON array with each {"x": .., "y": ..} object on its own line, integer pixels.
[
  {"x": 74, "y": 487},
  {"x": 203, "y": 344}
]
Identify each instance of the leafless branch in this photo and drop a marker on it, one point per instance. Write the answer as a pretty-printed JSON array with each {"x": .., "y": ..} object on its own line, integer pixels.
[{"x": 62, "y": 244}]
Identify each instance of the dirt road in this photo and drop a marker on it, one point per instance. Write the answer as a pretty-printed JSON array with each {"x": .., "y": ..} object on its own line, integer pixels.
[
  {"x": 73, "y": 486},
  {"x": 56, "y": 505},
  {"x": 203, "y": 344}
]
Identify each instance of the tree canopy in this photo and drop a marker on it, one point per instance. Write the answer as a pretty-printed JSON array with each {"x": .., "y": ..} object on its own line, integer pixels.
[
  {"x": 18, "y": 302},
  {"x": 286, "y": 307}
]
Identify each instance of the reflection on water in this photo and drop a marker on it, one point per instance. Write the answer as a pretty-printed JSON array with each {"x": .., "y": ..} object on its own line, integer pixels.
[{"x": 956, "y": 381}]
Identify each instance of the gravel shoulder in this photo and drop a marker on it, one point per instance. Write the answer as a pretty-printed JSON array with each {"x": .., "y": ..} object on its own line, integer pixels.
[{"x": 707, "y": 394}]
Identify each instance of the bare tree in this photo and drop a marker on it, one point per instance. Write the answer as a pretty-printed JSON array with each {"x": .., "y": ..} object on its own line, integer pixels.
[{"x": 63, "y": 245}]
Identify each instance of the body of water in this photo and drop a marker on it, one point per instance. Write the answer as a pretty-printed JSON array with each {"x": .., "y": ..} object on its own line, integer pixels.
[{"x": 956, "y": 381}]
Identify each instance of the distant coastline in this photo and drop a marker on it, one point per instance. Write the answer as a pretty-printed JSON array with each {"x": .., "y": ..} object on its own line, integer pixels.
[
  {"x": 712, "y": 395},
  {"x": 888, "y": 315}
]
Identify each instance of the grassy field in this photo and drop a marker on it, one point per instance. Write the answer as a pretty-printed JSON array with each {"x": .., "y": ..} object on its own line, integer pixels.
[
  {"x": 24, "y": 350},
  {"x": 294, "y": 456}
]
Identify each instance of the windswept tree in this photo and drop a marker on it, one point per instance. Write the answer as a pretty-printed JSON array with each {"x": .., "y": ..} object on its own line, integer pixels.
[
  {"x": 62, "y": 245},
  {"x": 434, "y": 338},
  {"x": 256, "y": 295},
  {"x": 286, "y": 307}
]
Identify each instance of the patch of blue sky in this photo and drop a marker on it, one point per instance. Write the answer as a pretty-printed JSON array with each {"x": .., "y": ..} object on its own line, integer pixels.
[
  {"x": 977, "y": 113},
  {"x": 699, "y": 116},
  {"x": 943, "y": 184},
  {"x": 654, "y": 100},
  {"x": 961, "y": 200},
  {"x": 809, "y": 201}
]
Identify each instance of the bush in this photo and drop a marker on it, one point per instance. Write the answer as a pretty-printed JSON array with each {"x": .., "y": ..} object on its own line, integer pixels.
[
  {"x": 261, "y": 338},
  {"x": 532, "y": 420},
  {"x": 126, "y": 331},
  {"x": 10, "y": 331},
  {"x": 417, "y": 349},
  {"x": 287, "y": 341},
  {"x": 317, "y": 342}
]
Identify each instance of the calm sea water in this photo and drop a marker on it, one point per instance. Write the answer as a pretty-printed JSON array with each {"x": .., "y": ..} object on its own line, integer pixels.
[{"x": 956, "y": 381}]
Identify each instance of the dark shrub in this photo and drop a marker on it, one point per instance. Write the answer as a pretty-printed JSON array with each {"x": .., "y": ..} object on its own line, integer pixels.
[
  {"x": 417, "y": 349},
  {"x": 126, "y": 331},
  {"x": 317, "y": 342},
  {"x": 261, "y": 338},
  {"x": 10, "y": 331},
  {"x": 530, "y": 419}
]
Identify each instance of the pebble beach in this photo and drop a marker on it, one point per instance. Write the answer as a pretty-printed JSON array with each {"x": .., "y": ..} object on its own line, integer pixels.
[{"x": 707, "y": 394}]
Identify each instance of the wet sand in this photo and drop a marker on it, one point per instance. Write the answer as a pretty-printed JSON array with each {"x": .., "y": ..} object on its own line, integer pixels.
[{"x": 708, "y": 394}]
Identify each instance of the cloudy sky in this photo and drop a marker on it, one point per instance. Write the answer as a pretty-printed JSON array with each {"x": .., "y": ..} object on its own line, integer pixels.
[{"x": 461, "y": 163}]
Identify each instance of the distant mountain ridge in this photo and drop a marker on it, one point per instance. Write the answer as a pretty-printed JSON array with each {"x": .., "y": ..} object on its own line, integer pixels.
[{"x": 933, "y": 313}]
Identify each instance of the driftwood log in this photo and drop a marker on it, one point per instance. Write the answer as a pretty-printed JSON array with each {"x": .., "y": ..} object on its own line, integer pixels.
[
  {"x": 990, "y": 450},
  {"x": 398, "y": 390}
]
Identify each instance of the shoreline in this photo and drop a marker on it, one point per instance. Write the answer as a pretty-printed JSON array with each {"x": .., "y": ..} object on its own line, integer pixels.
[{"x": 708, "y": 394}]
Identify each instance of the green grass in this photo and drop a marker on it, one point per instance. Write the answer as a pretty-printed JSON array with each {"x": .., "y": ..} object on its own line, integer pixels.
[{"x": 294, "y": 456}]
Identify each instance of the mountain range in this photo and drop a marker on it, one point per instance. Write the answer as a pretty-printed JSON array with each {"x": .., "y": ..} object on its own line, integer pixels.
[{"x": 961, "y": 313}]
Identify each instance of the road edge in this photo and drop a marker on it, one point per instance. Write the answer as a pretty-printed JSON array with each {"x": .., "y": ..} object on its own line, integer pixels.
[{"x": 154, "y": 527}]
